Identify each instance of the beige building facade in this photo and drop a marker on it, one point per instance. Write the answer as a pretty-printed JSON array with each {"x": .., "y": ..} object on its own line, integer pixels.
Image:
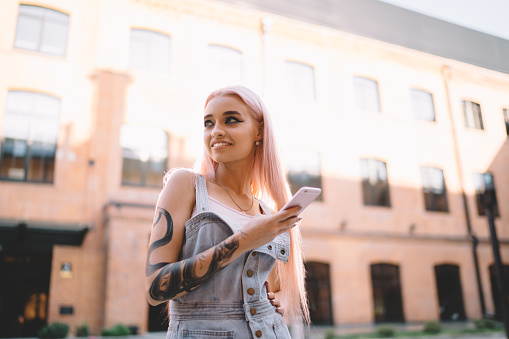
[{"x": 99, "y": 98}]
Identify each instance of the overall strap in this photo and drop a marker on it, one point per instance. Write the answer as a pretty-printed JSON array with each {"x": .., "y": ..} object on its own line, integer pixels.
[{"x": 202, "y": 196}]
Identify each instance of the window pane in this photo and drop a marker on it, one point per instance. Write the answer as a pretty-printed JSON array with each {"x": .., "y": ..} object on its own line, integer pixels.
[
  {"x": 224, "y": 66},
  {"x": 366, "y": 94},
  {"x": 145, "y": 154},
  {"x": 149, "y": 51},
  {"x": 28, "y": 32},
  {"x": 300, "y": 80},
  {"x": 375, "y": 183},
  {"x": 54, "y": 36},
  {"x": 473, "y": 116},
  {"x": 481, "y": 181},
  {"x": 304, "y": 168},
  {"x": 433, "y": 186},
  {"x": 422, "y": 105}
]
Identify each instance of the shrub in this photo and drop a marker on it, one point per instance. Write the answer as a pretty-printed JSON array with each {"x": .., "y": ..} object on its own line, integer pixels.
[
  {"x": 116, "y": 330},
  {"x": 54, "y": 330},
  {"x": 485, "y": 324},
  {"x": 385, "y": 331},
  {"x": 330, "y": 335},
  {"x": 82, "y": 330},
  {"x": 432, "y": 327}
]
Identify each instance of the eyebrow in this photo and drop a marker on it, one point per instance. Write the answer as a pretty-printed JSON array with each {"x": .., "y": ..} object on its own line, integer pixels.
[{"x": 224, "y": 114}]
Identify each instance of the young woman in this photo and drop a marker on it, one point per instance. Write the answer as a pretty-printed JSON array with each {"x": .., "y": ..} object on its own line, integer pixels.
[{"x": 218, "y": 233}]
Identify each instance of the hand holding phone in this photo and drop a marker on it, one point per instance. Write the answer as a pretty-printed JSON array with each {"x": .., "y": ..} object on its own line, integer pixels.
[{"x": 303, "y": 198}]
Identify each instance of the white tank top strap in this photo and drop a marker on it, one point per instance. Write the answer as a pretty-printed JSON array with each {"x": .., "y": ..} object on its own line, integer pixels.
[{"x": 202, "y": 201}]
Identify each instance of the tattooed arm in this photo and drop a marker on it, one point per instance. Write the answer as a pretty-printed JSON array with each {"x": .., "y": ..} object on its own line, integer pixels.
[{"x": 168, "y": 278}]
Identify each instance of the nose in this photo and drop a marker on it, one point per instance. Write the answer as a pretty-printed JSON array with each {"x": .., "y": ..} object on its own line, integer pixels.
[{"x": 217, "y": 132}]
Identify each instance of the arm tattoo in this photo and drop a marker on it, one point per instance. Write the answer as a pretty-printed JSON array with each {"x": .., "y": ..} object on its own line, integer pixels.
[
  {"x": 151, "y": 268},
  {"x": 178, "y": 277},
  {"x": 182, "y": 276}
]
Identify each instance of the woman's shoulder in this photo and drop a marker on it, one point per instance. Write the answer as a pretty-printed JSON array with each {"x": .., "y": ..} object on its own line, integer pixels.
[{"x": 179, "y": 182}]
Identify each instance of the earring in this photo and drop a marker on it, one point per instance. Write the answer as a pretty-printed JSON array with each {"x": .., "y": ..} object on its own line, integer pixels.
[{"x": 257, "y": 143}]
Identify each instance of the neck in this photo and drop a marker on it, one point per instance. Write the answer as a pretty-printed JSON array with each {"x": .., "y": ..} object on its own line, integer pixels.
[{"x": 235, "y": 177}]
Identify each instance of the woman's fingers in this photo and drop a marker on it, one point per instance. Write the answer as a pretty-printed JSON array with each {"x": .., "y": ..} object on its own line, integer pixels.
[{"x": 280, "y": 310}]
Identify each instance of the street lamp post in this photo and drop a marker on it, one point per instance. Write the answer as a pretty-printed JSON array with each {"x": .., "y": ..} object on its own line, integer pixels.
[{"x": 489, "y": 200}]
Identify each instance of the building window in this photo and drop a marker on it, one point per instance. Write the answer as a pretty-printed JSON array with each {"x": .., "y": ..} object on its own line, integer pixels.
[
  {"x": 318, "y": 288},
  {"x": 481, "y": 181},
  {"x": 375, "y": 183},
  {"x": 473, "y": 116},
  {"x": 300, "y": 80},
  {"x": 450, "y": 295},
  {"x": 144, "y": 155},
  {"x": 505, "y": 111},
  {"x": 433, "y": 187},
  {"x": 224, "y": 66},
  {"x": 366, "y": 94},
  {"x": 422, "y": 105},
  {"x": 387, "y": 296},
  {"x": 42, "y": 30},
  {"x": 304, "y": 168},
  {"x": 149, "y": 51},
  {"x": 29, "y": 137}
]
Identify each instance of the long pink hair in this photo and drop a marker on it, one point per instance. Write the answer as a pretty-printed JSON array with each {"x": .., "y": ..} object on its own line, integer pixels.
[{"x": 269, "y": 184}]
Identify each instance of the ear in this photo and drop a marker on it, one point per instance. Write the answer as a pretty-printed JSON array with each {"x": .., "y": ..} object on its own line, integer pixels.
[{"x": 260, "y": 131}]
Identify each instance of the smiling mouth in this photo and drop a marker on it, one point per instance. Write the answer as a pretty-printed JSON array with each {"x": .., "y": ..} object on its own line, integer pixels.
[{"x": 220, "y": 144}]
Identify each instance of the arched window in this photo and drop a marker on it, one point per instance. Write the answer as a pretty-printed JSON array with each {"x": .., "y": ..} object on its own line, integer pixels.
[
  {"x": 481, "y": 180},
  {"x": 224, "y": 66},
  {"x": 387, "y": 299},
  {"x": 149, "y": 50},
  {"x": 366, "y": 94},
  {"x": 29, "y": 137},
  {"x": 375, "y": 183},
  {"x": 433, "y": 187},
  {"x": 473, "y": 115},
  {"x": 304, "y": 167},
  {"x": 144, "y": 155},
  {"x": 450, "y": 295},
  {"x": 41, "y": 29},
  {"x": 422, "y": 105},
  {"x": 300, "y": 80}
]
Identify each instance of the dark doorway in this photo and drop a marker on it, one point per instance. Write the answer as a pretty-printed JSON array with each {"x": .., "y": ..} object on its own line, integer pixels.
[
  {"x": 158, "y": 318},
  {"x": 387, "y": 299},
  {"x": 450, "y": 293},
  {"x": 319, "y": 293},
  {"x": 494, "y": 288},
  {"x": 24, "y": 289}
]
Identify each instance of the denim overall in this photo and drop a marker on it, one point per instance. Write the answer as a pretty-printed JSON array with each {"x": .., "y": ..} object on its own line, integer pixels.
[{"x": 233, "y": 303}]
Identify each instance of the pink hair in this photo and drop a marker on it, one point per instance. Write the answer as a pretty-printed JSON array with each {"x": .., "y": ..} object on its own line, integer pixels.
[{"x": 269, "y": 184}]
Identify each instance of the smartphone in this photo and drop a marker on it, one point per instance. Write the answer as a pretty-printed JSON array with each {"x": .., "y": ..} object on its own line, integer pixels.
[{"x": 303, "y": 198}]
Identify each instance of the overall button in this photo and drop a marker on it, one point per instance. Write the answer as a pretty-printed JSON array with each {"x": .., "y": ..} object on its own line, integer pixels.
[
  {"x": 258, "y": 333},
  {"x": 249, "y": 273},
  {"x": 283, "y": 252},
  {"x": 250, "y": 291},
  {"x": 253, "y": 311},
  {"x": 269, "y": 247},
  {"x": 254, "y": 254}
]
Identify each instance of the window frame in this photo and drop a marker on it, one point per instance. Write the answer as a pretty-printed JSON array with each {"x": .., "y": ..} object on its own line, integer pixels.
[
  {"x": 414, "y": 91},
  {"x": 148, "y": 46},
  {"x": 358, "y": 94},
  {"x": 431, "y": 204},
  {"x": 375, "y": 196},
  {"x": 40, "y": 38},
  {"x": 505, "y": 115},
  {"x": 477, "y": 123},
  {"x": 293, "y": 93},
  {"x": 480, "y": 190},
  {"x": 28, "y": 158}
]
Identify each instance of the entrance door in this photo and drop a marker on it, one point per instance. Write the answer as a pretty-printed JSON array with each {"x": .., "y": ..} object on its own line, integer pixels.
[
  {"x": 450, "y": 293},
  {"x": 319, "y": 293},
  {"x": 24, "y": 289},
  {"x": 387, "y": 299},
  {"x": 494, "y": 289}
]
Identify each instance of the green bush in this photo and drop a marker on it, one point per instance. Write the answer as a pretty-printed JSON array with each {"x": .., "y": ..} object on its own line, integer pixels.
[
  {"x": 485, "y": 324},
  {"x": 82, "y": 330},
  {"x": 54, "y": 330},
  {"x": 330, "y": 335},
  {"x": 116, "y": 330},
  {"x": 432, "y": 327},
  {"x": 385, "y": 331}
]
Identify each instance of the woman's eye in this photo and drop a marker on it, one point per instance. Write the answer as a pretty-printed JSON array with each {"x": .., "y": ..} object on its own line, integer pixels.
[
  {"x": 207, "y": 123},
  {"x": 230, "y": 120}
]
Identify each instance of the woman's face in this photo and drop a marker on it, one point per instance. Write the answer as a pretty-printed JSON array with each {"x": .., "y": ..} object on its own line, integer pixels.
[{"x": 230, "y": 131}]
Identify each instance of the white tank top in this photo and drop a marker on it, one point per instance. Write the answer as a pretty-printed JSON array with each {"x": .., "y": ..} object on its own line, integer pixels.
[{"x": 218, "y": 207}]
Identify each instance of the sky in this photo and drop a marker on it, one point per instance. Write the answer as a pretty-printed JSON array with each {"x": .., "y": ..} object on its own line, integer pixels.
[{"x": 487, "y": 16}]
